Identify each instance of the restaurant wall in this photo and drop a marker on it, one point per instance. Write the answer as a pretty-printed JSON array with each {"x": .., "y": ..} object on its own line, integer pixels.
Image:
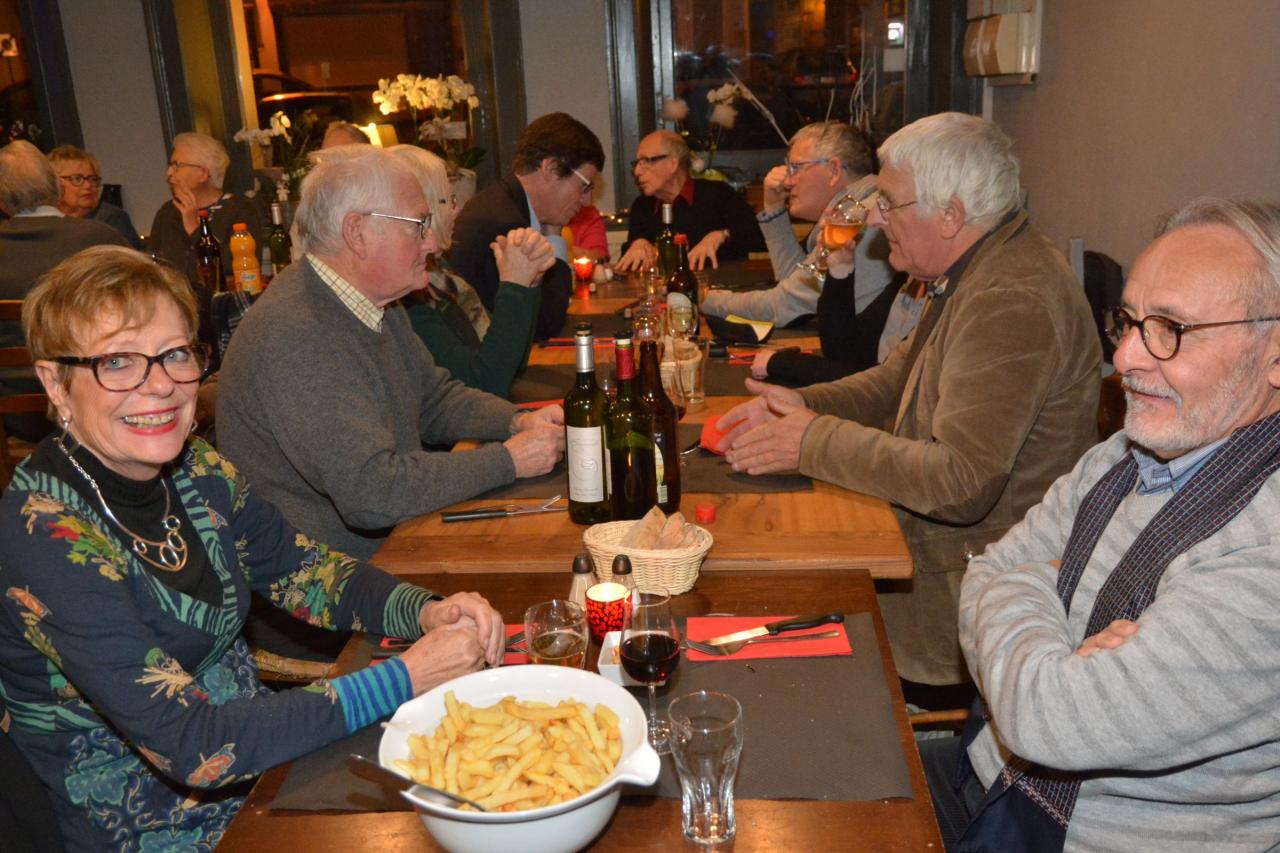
[
  {"x": 116, "y": 99},
  {"x": 566, "y": 70},
  {"x": 1141, "y": 105}
]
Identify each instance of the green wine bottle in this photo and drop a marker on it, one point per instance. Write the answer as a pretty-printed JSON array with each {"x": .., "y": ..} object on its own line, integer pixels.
[
  {"x": 278, "y": 240},
  {"x": 629, "y": 437},
  {"x": 682, "y": 292},
  {"x": 666, "y": 244},
  {"x": 585, "y": 408},
  {"x": 666, "y": 440}
]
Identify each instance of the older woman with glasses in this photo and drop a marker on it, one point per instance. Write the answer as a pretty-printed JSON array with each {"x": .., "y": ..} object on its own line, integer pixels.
[
  {"x": 128, "y": 552},
  {"x": 480, "y": 349},
  {"x": 80, "y": 180}
]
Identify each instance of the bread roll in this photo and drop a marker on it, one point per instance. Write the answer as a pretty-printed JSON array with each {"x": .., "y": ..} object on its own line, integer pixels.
[{"x": 645, "y": 532}]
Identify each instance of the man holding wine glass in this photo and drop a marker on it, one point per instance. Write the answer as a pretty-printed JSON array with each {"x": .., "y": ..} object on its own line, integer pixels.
[
  {"x": 966, "y": 423},
  {"x": 827, "y": 164}
]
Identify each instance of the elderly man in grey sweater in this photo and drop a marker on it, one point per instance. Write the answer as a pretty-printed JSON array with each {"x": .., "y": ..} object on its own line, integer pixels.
[
  {"x": 1124, "y": 636},
  {"x": 327, "y": 397}
]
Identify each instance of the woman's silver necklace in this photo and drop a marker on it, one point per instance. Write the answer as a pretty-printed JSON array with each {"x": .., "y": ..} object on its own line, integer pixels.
[{"x": 172, "y": 551}]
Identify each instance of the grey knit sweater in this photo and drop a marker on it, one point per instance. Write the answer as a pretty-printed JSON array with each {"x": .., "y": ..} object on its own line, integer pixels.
[
  {"x": 328, "y": 418},
  {"x": 1180, "y": 726}
]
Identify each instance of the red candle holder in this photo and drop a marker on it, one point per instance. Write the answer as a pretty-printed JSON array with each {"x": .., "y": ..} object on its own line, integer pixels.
[
  {"x": 607, "y": 607},
  {"x": 583, "y": 267}
]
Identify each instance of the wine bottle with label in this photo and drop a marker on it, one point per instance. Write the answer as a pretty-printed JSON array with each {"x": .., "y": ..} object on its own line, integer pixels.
[
  {"x": 666, "y": 440},
  {"x": 682, "y": 293},
  {"x": 666, "y": 244},
  {"x": 629, "y": 437},
  {"x": 278, "y": 241},
  {"x": 209, "y": 257},
  {"x": 585, "y": 409}
]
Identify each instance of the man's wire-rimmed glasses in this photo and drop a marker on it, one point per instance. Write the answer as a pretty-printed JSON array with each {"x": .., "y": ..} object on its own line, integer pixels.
[
  {"x": 795, "y": 167},
  {"x": 423, "y": 224},
  {"x": 886, "y": 207},
  {"x": 1160, "y": 335},
  {"x": 125, "y": 371}
]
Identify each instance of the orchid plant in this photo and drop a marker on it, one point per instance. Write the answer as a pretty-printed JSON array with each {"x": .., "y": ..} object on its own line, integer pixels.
[
  {"x": 445, "y": 104},
  {"x": 286, "y": 144},
  {"x": 723, "y": 115}
]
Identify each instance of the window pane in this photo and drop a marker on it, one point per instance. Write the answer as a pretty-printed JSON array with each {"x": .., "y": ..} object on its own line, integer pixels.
[{"x": 805, "y": 60}]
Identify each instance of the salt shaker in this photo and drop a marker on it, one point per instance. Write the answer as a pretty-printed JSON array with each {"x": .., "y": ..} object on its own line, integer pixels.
[
  {"x": 583, "y": 578},
  {"x": 622, "y": 572}
]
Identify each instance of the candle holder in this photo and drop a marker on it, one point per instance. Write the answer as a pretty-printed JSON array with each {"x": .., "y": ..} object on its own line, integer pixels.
[{"x": 583, "y": 267}]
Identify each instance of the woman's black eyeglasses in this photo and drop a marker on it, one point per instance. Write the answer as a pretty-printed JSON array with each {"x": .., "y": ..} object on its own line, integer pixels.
[{"x": 125, "y": 371}]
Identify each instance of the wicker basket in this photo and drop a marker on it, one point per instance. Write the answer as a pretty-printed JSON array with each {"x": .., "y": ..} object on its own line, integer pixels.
[{"x": 676, "y": 569}]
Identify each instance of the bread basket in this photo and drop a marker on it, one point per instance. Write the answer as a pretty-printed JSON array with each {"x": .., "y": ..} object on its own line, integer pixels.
[{"x": 676, "y": 569}]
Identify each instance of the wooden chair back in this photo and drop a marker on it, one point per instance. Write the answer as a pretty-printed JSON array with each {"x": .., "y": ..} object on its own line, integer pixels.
[{"x": 15, "y": 404}]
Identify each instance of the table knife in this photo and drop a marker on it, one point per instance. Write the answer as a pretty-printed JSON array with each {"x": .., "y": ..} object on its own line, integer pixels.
[{"x": 793, "y": 624}]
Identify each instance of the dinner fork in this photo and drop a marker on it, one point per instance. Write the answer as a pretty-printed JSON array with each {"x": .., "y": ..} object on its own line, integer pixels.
[{"x": 727, "y": 649}]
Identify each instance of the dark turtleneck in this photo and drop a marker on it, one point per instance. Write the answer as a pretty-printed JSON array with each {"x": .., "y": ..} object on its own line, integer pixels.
[{"x": 139, "y": 505}]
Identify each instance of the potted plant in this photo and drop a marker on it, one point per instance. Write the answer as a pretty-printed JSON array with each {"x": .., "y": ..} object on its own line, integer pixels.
[{"x": 440, "y": 110}]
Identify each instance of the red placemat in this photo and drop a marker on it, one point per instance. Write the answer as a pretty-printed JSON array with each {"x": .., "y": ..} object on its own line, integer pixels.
[
  {"x": 705, "y": 627},
  {"x": 514, "y": 657}
]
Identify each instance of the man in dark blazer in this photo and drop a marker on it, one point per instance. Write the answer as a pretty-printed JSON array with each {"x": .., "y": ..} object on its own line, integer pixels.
[{"x": 555, "y": 168}]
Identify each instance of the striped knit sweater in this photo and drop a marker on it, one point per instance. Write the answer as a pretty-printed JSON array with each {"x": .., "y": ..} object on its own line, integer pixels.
[{"x": 1179, "y": 729}]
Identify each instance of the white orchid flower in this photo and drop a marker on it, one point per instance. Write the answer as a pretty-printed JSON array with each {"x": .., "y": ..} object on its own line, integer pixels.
[
  {"x": 724, "y": 115},
  {"x": 676, "y": 109}
]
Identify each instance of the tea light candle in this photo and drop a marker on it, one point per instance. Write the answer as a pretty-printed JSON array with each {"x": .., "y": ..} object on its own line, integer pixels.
[
  {"x": 582, "y": 267},
  {"x": 607, "y": 605}
]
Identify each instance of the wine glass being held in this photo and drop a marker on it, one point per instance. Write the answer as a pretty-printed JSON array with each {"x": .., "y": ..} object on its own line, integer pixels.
[{"x": 650, "y": 652}]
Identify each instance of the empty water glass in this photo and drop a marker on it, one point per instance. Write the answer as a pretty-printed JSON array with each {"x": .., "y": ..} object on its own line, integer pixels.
[{"x": 706, "y": 742}]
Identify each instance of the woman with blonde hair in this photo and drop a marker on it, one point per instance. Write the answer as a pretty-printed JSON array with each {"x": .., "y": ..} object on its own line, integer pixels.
[
  {"x": 480, "y": 349},
  {"x": 80, "y": 181},
  {"x": 128, "y": 552}
]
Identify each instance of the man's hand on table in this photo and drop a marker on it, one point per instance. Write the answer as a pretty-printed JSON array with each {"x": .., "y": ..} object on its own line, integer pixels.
[
  {"x": 640, "y": 255},
  {"x": 522, "y": 256},
  {"x": 773, "y": 424},
  {"x": 707, "y": 248},
  {"x": 468, "y": 610},
  {"x": 538, "y": 441},
  {"x": 1111, "y": 637}
]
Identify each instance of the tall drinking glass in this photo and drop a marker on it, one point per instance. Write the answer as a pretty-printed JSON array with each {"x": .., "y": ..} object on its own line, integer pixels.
[
  {"x": 706, "y": 742},
  {"x": 840, "y": 226},
  {"x": 556, "y": 633},
  {"x": 650, "y": 651}
]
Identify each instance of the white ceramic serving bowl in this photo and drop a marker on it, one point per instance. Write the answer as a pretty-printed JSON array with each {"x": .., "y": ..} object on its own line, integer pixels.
[{"x": 561, "y": 828}]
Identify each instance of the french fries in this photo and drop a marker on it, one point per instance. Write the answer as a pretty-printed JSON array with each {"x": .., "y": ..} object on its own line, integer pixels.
[{"x": 516, "y": 755}]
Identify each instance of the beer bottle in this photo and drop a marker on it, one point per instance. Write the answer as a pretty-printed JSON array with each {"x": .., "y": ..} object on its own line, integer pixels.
[
  {"x": 666, "y": 440},
  {"x": 666, "y": 245},
  {"x": 209, "y": 257},
  {"x": 585, "y": 408},
  {"x": 629, "y": 437},
  {"x": 682, "y": 292}
]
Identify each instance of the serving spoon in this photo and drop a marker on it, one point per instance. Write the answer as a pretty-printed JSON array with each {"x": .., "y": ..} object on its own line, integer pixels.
[{"x": 372, "y": 770}]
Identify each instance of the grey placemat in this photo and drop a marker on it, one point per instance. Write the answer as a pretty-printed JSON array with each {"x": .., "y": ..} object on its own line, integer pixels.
[
  {"x": 703, "y": 471},
  {"x": 602, "y": 325},
  {"x": 542, "y": 382},
  {"x": 538, "y": 488},
  {"x": 815, "y": 729},
  {"x": 726, "y": 380}
]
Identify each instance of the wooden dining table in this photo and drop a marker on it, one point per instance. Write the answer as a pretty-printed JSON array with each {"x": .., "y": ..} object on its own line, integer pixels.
[
  {"x": 646, "y": 823},
  {"x": 823, "y": 526}
]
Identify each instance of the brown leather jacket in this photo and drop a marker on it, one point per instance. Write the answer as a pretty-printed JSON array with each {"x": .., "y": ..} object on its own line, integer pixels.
[{"x": 1001, "y": 401}]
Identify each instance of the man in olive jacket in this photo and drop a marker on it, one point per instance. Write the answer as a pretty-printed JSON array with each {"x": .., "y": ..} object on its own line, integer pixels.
[{"x": 970, "y": 420}]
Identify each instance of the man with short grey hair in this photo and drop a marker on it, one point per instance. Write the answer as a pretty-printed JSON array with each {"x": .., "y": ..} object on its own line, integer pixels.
[
  {"x": 1124, "y": 634},
  {"x": 714, "y": 216},
  {"x": 826, "y": 163},
  {"x": 327, "y": 398},
  {"x": 964, "y": 425},
  {"x": 35, "y": 239},
  {"x": 197, "y": 169}
]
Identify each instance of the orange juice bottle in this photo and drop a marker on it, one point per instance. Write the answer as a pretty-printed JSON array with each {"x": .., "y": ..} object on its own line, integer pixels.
[{"x": 244, "y": 260}]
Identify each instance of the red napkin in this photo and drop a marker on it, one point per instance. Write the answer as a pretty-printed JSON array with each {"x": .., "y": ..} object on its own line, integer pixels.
[
  {"x": 523, "y": 657},
  {"x": 712, "y": 438},
  {"x": 705, "y": 627}
]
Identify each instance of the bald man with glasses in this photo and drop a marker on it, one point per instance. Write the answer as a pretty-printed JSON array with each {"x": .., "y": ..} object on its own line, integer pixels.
[{"x": 716, "y": 218}]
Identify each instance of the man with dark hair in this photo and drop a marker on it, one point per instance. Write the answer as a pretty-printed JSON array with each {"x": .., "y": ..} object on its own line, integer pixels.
[
  {"x": 715, "y": 217},
  {"x": 555, "y": 168}
]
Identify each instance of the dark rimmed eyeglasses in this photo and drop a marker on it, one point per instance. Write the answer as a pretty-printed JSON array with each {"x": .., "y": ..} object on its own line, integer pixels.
[
  {"x": 1161, "y": 336},
  {"x": 587, "y": 186},
  {"x": 125, "y": 371},
  {"x": 423, "y": 224},
  {"x": 649, "y": 161},
  {"x": 81, "y": 180}
]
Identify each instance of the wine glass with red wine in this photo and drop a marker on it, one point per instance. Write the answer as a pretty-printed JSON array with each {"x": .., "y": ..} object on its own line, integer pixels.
[{"x": 650, "y": 652}]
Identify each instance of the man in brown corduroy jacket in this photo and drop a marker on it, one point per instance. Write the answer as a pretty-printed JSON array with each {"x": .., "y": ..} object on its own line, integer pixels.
[{"x": 966, "y": 425}]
